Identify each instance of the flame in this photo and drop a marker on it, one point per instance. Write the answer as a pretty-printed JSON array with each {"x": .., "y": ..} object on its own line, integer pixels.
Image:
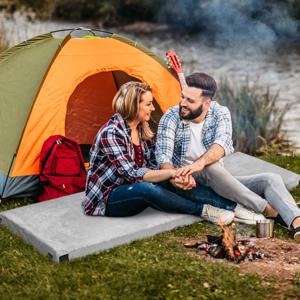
[{"x": 229, "y": 238}]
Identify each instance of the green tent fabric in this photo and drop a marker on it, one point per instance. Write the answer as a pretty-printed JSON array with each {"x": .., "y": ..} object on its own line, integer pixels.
[{"x": 20, "y": 79}]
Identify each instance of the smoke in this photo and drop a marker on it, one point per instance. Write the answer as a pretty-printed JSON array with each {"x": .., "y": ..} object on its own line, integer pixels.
[{"x": 261, "y": 23}]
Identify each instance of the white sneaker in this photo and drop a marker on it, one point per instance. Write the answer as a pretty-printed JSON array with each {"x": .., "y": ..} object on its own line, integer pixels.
[
  {"x": 216, "y": 215},
  {"x": 246, "y": 216}
]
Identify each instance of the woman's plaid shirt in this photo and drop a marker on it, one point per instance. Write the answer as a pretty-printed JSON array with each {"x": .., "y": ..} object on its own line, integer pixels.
[
  {"x": 174, "y": 135},
  {"x": 112, "y": 164}
]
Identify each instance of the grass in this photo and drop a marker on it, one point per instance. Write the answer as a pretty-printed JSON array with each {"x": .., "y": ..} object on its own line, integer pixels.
[
  {"x": 157, "y": 267},
  {"x": 154, "y": 268}
]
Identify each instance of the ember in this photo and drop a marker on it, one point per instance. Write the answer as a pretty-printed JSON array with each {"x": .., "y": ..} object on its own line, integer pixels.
[{"x": 226, "y": 246}]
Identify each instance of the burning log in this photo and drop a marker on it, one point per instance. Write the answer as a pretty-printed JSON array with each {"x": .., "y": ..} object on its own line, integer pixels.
[
  {"x": 229, "y": 239},
  {"x": 226, "y": 246}
]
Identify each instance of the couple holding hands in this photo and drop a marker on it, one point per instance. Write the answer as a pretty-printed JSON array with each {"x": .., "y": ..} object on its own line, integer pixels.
[{"x": 182, "y": 172}]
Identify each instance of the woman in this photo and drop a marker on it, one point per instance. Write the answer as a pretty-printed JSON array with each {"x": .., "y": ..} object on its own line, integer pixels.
[{"x": 123, "y": 180}]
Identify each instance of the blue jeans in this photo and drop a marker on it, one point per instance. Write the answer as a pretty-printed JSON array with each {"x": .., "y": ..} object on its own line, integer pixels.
[
  {"x": 202, "y": 194},
  {"x": 131, "y": 199}
]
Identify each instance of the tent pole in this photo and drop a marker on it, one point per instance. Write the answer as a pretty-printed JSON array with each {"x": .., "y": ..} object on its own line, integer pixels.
[
  {"x": 82, "y": 28},
  {"x": 6, "y": 179}
]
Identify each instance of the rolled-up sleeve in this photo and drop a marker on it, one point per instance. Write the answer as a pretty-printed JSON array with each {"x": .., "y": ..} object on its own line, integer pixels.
[
  {"x": 115, "y": 147},
  {"x": 223, "y": 134},
  {"x": 165, "y": 139}
]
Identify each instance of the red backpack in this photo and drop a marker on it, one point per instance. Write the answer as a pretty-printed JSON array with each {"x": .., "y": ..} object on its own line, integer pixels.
[{"x": 62, "y": 170}]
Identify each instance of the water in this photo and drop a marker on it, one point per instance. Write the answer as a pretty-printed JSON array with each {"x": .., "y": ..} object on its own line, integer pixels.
[{"x": 280, "y": 70}]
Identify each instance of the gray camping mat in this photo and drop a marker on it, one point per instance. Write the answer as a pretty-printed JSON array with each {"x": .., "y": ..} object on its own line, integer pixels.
[
  {"x": 239, "y": 164},
  {"x": 60, "y": 230}
]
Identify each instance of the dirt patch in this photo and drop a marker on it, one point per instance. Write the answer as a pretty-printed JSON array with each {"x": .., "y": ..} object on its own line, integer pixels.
[{"x": 281, "y": 258}]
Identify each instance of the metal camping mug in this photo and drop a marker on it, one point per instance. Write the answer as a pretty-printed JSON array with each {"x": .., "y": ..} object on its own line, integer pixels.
[{"x": 264, "y": 228}]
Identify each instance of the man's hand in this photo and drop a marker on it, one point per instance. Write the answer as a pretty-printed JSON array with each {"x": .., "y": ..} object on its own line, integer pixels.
[
  {"x": 181, "y": 182},
  {"x": 197, "y": 166},
  {"x": 184, "y": 182}
]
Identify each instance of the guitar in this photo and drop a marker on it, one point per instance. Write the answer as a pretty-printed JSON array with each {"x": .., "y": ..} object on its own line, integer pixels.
[{"x": 174, "y": 63}]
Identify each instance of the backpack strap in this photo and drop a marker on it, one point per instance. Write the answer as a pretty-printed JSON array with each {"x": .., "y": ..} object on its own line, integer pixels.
[
  {"x": 43, "y": 163},
  {"x": 66, "y": 140},
  {"x": 59, "y": 141}
]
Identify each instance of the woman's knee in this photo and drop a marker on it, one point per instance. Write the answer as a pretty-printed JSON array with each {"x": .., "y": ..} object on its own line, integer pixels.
[{"x": 146, "y": 188}]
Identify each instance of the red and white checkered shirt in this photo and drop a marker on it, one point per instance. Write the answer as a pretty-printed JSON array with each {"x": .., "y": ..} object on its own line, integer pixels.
[{"x": 112, "y": 164}]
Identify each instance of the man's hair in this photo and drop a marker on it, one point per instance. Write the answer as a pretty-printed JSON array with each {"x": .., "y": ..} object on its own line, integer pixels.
[
  {"x": 127, "y": 102},
  {"x": 204, "y": 82}
]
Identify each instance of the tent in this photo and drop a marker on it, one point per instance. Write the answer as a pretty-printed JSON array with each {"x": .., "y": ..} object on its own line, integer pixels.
[{"x": 63, "y": 82}]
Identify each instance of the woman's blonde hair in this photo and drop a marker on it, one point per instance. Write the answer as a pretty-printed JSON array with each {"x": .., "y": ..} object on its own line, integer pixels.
[{"x": 127, "y": 102}]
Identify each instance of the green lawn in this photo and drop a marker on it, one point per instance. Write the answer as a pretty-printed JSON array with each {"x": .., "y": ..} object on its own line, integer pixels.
[{"x": 154, "y": 268}]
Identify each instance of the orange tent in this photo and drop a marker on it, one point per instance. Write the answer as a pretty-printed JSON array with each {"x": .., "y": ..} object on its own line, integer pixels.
[{"x": 74, "y": 81}]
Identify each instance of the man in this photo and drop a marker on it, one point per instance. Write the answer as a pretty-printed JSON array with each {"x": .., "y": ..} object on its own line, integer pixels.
[{"x": 195, "y": 136}]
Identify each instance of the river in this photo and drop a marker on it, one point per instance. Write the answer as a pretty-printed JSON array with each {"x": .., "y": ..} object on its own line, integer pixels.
[{"x": 280, "y": 69}]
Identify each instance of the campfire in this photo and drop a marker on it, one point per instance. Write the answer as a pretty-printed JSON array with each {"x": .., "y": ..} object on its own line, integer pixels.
[{"x": 226, "y": 246}]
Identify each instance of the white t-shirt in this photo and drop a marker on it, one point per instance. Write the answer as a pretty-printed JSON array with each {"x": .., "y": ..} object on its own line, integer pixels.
[{"x": 196, "y": 148}]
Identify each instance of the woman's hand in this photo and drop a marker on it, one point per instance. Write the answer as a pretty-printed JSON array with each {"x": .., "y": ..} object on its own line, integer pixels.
[
  {"x": 184, "y": 182},
  {"x": 173, "y": 173}
]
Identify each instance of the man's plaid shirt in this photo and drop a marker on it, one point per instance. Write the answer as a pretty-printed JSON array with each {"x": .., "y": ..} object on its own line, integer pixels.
[
  {"x": 112, "y": 164},
  {"x": 174, "y": 135}
]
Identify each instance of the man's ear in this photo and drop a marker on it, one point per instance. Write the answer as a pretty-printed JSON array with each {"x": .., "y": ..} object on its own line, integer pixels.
[{"x": 206, "y": 104}]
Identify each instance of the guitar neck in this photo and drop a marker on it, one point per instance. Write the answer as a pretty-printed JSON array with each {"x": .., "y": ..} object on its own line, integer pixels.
[{"x": 181, "y": 80}]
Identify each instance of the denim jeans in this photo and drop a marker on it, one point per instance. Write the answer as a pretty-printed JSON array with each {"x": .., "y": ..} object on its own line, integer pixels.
[
  {"x": 202, "y": 194},
  {"x": 131, "y": 199}
]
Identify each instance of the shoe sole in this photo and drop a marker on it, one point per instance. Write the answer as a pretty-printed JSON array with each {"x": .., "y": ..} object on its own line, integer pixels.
[
  {"x": 297, "y": 236},
  {"x": 218, "y": 222},
  {"x": 245, "y": 221}
]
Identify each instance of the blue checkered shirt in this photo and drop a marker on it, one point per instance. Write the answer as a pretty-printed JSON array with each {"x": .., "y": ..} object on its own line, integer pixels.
[{"x": 174, "y": 135}]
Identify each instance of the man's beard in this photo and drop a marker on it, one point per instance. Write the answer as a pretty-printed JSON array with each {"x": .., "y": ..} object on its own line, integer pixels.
[{"x": 193, "y": 113}]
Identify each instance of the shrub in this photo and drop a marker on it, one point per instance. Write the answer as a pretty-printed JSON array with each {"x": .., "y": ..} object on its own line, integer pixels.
[
  {"x": 295, "y": 9},
  {"x": 3, "y": 39},
  {"x": 111, "y": 12},
  {"x": 41, "y": 9},
  {"x": 256, "y": 114},
  {"x": 78, "y": 9}
]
